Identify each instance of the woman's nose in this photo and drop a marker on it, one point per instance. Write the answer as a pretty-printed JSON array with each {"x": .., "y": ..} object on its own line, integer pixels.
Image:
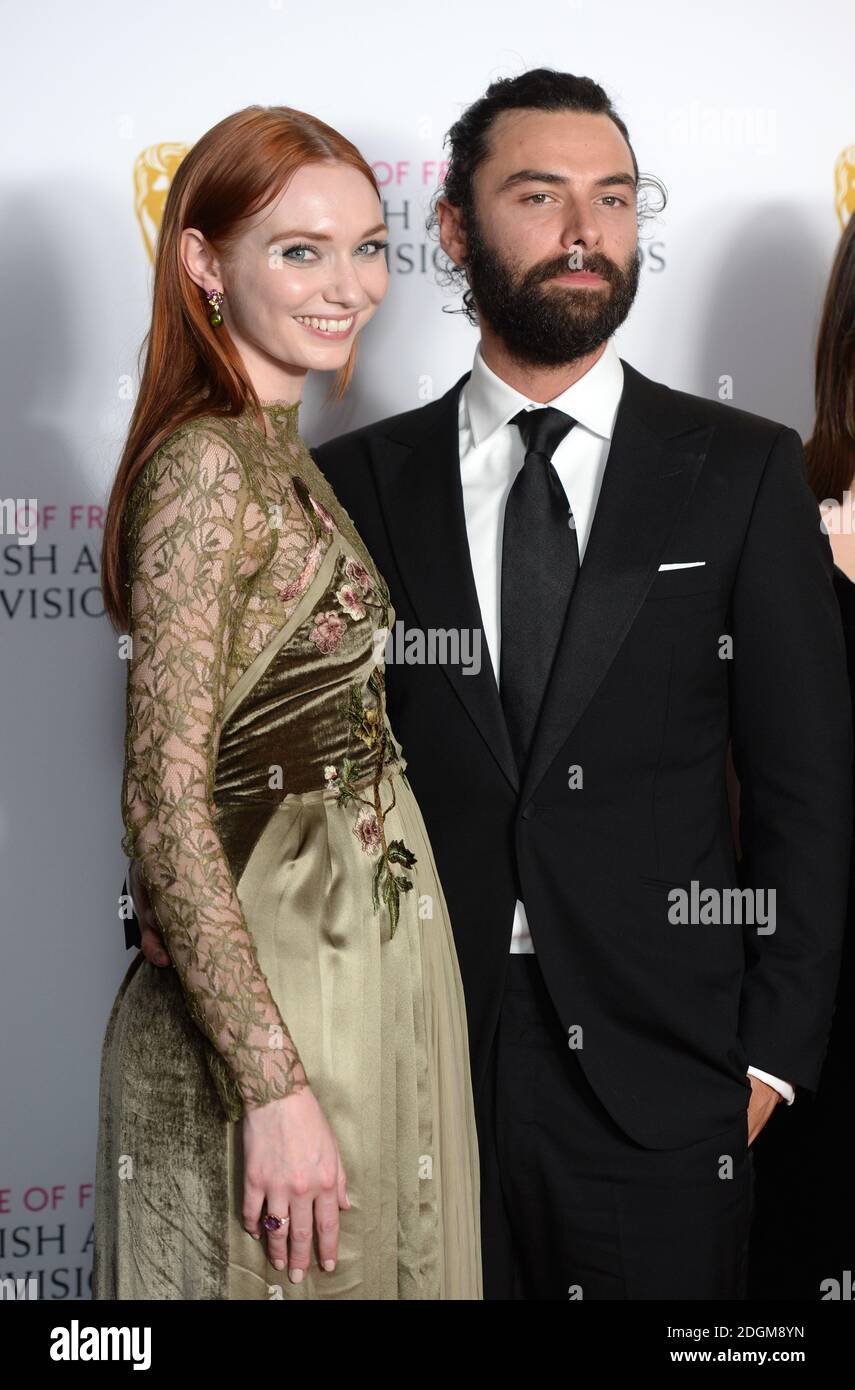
[{"x": 345, "y": 287}]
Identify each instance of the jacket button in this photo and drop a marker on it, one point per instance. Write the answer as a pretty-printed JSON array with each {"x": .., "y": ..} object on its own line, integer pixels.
[{"x": 529, "y": 813}]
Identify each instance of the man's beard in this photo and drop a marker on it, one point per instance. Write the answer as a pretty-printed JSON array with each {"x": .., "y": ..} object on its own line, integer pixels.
[{"x": 549, "y": 325}]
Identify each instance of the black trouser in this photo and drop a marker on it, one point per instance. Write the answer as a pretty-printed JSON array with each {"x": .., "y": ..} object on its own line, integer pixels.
[{"x": 571, "y": 1206}]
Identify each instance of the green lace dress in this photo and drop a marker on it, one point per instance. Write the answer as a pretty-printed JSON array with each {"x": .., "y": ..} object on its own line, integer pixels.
[{"x": 266, "y": 799}]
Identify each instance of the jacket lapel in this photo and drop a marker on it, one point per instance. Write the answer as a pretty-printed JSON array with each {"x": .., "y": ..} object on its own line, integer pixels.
[
  {"x": 417, "y": 468},
  {"x": 655, "y": 457}
]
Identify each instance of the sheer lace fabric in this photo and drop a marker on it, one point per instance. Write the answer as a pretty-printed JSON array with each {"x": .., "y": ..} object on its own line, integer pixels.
[{"x": 222, "y": 541}]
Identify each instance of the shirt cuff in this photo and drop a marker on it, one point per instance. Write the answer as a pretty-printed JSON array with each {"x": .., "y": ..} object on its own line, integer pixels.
[{"x": 783, "y": 1087}]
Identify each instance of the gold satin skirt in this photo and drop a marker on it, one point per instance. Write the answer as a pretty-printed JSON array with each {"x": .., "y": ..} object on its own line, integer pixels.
[{"x": 380, "y": 1024}]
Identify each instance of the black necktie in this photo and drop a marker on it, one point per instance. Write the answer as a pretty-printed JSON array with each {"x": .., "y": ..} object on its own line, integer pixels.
[{"x": 540, "y": 562}]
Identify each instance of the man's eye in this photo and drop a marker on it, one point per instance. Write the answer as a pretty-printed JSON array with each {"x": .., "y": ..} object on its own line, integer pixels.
[{"x": 536, "y": 195}]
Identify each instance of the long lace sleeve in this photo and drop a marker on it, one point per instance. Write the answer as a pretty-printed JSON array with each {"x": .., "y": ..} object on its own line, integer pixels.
[{"x": 196, "y": 534}]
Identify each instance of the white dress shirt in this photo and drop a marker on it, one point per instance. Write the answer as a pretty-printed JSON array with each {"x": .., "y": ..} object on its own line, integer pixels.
[{"x": 491, "y": 455}]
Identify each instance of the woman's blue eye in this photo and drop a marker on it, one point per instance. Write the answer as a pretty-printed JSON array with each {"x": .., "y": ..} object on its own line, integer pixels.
[
  {"x": 377, "y": 246},
  {"x": 292, "y": 249}
]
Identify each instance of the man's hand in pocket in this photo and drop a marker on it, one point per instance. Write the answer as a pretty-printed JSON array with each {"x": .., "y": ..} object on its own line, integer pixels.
[{"x": 763, "y": 1100}]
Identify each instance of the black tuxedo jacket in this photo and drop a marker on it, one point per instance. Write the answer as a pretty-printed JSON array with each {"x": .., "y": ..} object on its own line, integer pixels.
[{"x": 645, "y": 693}]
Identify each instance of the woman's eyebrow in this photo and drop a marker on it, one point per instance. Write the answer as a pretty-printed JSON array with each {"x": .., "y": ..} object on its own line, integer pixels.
[{"x": 325, "y": 236}]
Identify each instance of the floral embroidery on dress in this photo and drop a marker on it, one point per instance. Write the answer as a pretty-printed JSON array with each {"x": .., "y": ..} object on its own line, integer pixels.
[
  {"x": 325, "y": 518},
  {"x": 328, "y": 630},
  {"x": 368, "y": 723},
  {"x": 367, "y": 831},
  {"x": 306, "y": 575},
  {"x": 356, "y": 572},
  {"x": 350, "y": 601},
  {"x": 329, "y": 626}
]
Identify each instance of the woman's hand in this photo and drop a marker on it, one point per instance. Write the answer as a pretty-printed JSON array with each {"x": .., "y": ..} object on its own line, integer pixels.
[
  {"x": 153, "y": 945},
  {"x": 292, "y": 1162}
]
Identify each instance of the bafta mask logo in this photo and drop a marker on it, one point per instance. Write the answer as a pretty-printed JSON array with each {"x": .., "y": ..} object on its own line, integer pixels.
[
  {"x": 844, "y": 185},
  {"x": 154, "y": 169}
]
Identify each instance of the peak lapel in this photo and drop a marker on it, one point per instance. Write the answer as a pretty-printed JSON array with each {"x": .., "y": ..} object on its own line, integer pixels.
[
  {"x": 417, "y": 470},
  {"x": 654, "y": 459}
]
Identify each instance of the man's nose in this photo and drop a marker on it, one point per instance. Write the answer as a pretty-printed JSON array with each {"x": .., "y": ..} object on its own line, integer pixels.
[{"x": 580, "y": 227}]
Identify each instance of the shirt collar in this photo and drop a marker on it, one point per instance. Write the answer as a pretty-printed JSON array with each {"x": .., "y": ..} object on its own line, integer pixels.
[{"x": 592, "y": 400}]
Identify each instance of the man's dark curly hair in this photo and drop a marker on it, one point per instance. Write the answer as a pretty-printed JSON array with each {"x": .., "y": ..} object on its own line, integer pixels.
[{"x": 539, "y": 89}]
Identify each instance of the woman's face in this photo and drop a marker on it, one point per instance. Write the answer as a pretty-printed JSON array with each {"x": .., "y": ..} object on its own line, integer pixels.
[{"x": 303, "y": 277}]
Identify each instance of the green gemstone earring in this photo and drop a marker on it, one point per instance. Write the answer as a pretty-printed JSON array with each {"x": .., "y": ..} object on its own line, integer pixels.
[{"x": 215, "y": 299}]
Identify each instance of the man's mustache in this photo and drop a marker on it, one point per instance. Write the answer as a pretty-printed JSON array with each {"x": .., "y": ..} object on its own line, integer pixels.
[{"x": 597, "y": 265}]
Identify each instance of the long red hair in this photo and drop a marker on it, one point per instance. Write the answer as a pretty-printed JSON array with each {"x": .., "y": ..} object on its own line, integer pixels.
[
  {"x": 830, "y": 451},
  {"x": 191, "y": 368}
]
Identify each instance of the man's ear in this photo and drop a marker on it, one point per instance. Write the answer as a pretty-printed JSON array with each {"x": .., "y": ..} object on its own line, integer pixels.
[{"x": 452, "y": 233}]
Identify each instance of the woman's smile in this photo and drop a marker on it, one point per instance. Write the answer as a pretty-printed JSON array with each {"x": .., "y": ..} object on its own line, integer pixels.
[{"x": 327, "y": 327}]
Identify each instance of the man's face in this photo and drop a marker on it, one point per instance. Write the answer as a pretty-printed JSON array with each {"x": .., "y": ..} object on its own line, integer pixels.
[{"x": 556, "y": 191}]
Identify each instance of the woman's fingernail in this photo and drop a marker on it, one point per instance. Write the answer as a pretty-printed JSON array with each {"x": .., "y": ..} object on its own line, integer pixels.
[
  {"x": 296, "y": 1276},
  {"x": 278, "y": 1264},
  {"x": 329, "y": 1265}
]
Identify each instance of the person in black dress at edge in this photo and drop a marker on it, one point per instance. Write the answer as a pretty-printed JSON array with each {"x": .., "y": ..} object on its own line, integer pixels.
[{"x": 804, "y": 1225}]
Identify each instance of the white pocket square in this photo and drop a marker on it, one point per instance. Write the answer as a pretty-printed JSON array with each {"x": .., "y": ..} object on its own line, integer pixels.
[{"x": 683, "y": 565}]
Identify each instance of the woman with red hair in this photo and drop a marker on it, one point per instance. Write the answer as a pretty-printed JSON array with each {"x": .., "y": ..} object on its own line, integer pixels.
[{"x": 303, "y": 1074}]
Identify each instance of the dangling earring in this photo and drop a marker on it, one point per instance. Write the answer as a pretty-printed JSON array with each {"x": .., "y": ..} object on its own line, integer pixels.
[{"x": 215, "y": 299}]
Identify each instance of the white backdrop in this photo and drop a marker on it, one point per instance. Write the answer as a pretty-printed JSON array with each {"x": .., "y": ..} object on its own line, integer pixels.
[{"x": 743, "y": 107}]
